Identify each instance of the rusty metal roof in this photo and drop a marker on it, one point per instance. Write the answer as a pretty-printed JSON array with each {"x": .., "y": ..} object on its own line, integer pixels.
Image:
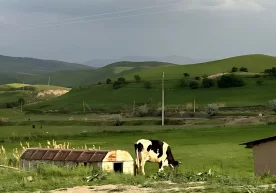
[
  {"x": 75, "y": 155},
  {"x": 251, "y": 144}
]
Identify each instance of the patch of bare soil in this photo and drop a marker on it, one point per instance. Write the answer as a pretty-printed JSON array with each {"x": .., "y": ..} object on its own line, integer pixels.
[
  {"x": 52, "y": 92},
  {"x": 216, "y": 75},
  {"x": 244, "y": 120},
  {"x": 104, "y": 189}
]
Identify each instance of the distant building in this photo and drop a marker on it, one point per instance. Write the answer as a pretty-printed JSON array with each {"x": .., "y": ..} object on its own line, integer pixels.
[
  {"x": 264, "y": 153},
  {"x": 108, "y": 160}
]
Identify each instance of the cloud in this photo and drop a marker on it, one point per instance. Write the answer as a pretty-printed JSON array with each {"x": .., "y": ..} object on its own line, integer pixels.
[
  {"x": 3, "y": 20},
  {"x": 250, "y": 5}
]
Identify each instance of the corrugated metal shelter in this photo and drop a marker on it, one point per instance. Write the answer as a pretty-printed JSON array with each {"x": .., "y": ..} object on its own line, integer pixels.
[
  {"x": 107, "y": 160},
  {"x": 264, "y": 154}
]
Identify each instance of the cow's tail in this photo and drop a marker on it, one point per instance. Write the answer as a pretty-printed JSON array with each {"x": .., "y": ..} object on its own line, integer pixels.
[{"x": 137, "y": 160}]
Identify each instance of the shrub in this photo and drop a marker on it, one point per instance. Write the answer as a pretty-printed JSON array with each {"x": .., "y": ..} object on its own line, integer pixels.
[
  {"x": 108, "y": 81},
  {"x": 272, "y": 105},
  {"x": 194, "y": 85},
  {"x": 186, "y": 74},
  {"x": 259, "y": 82},
  {"x": 159, "y": 111},
  {"x": 226, "y": 81},
  {"x": 234, "y": 69},
  {"x": 117, "y": 120},
  {"x": 143, "y": 110},
  {"x": 211, "y": 109},
  {"x": 117, "y": 85},
  {"x": 243, "y": 69},
  {"x": 122, "y": 80},
  {"x": 99, "y": 83},
  {"x": 271, "y": 72},
  {"x": 183, "y": 83},
  {"x": 147, "y": 85},
  {"x": 257, "y": 76},
  {"x": 197, "y": 78},
  {"x": 137, "y": 78},
  {"x": 208, "y": 83}
]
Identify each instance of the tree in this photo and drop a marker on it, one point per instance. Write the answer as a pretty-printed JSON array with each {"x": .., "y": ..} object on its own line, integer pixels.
[
  {"x": 259, "y": 82},
  {"x": 227, "y": 81},
  {"x": 137, "y": 78},
  {"x": 183, "y": 83},
  {"x": 211, "y": 109},
  {"x": 272, "y": 105},
  {"x": 197, "y": 78},
  {"x": 194, "y": 85},
  {"x": 108, "y": 81},
  {"x": 208, "y": 83},
  {"x": 147, "y": 85},
  {"x": 186, "y": 74},
  {"x": 243, "y": 69},
  {"x": 271, "y": 72},
  {"x": 117, "y": 85},
  {"x": 122, "y": 80},
  {"x": 234, "y": 69},
  {"x": 99, "y": 83}
]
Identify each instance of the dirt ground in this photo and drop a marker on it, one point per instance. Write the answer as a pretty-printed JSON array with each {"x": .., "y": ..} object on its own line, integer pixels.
[{"x": 104, "y": 189}]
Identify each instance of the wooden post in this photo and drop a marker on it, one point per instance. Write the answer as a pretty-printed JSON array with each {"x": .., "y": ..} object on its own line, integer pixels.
[
  {"x": 133, "y": 111},
  {"x": 194, "y": 105},
  {"x": 163, "y": 97},
  {"x": 83, "y": 105}
]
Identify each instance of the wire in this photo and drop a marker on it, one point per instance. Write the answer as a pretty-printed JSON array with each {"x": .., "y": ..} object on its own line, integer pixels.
[
  {"x": 102, "y": 19},
  {"x": 96, "y": 15}
]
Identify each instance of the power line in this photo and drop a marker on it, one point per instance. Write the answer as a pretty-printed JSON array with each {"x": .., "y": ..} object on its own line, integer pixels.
[
  {"x": 102, "y": 19},
  {"x": 102, "y": 14}
]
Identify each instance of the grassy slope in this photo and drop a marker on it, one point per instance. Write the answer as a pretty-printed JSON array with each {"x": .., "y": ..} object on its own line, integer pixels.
[
  {"x": 105, "y": 98},
  {"x": 29, "y": 96},
  {"x": 84, "y": 77},
  {"x": 36, "y": 66},
  {"x": 254, "y": 63}
]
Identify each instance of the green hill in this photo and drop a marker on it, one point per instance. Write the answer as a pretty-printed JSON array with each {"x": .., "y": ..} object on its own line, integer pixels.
[
  {"x": 85, "y": 77},
  {"x": 255, "y": 63},
  {"x": 35, "y": 66},
  {"x": 105, "y": 98},
  {"x": 10, "y": 93}
]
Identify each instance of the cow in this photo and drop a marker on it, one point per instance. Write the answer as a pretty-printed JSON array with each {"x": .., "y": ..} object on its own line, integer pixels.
[{"x": 153, "y": 151}]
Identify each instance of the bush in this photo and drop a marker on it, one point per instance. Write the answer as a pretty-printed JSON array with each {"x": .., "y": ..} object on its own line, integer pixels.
[
  {"x": 147, "y": 85},
  {"x": 234, "y": 69},
  {"x": 272, "y": 105},
  {"x": 117, "y": 85},
  {"x": 197, "y": 78},
  {"x": 259, "y": 82},
  {"x": 137, "y": 78},
  {"x": 227, "y": 81},
  {"x": 194, "y": 85},
  {"x": 208, "y": 83},
  {"x": 159, "y": 111},
  {"x": 211, "y": 109},
  {"x": 183, "y": 83},
  {"x": 271, "y": 72},
  {"x": 186, "y": 74},
  {"x": 108, "y": 81},
  {"x": 122, "y": 80},
  {"x": 143, "y": 110},
  {"x": 99, "y": 83},
  {"x": 117, "y": 120},
  {"x": 243, "y": 69}
]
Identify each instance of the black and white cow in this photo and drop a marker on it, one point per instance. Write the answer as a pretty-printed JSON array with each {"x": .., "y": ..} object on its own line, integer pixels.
[{"x": 153, "y": 151}]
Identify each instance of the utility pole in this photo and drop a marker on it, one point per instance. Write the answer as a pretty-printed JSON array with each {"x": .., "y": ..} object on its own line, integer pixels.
[
  {"x": 194, "y": 105},
  {"x": 49, "y": 80},
  {"x": 163, "y": 97}
]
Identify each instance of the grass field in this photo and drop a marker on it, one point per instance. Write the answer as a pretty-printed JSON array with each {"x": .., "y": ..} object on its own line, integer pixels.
[
  {"x": 200, "y": 149},
  {"x": 254, "y": 63},
  {"x": 106, "y": 99}
]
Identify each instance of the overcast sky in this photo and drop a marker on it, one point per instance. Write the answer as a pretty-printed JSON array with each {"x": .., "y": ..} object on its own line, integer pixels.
[{"x": 190, "y": 28}]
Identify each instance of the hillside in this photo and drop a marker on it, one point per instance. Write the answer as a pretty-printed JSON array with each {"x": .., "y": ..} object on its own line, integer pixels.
[
  {"x": 85, "y": 77},
  {"x": 255, "y": 63},
  {"x": 10, "y": 93},
  {"x": 35, "y": 66},
  {"x": 104, "y": 98}
]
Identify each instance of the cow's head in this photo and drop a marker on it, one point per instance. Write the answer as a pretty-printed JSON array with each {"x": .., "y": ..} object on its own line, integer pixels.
[{"x": 175, "y": 164}]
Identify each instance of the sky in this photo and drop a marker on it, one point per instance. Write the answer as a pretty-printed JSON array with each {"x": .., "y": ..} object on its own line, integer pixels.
[{"x": 80, "y": 30}]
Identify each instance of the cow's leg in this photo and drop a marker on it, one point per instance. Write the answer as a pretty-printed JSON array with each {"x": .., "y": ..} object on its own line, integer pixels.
[
  {"x": 143, "y": 166},
  {"x": 161, "y": 167}
]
